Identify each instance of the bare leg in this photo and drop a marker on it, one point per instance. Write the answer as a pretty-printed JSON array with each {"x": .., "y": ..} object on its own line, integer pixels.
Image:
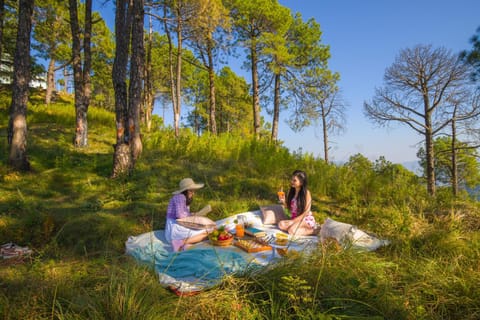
[
  {"x": 284, "y": 224},
  {"x": 294, "y": 228},
  {"x": 182, "y": 244},
  {"x": 300, "y": 229},
  {"x": 196, "y": 238}
]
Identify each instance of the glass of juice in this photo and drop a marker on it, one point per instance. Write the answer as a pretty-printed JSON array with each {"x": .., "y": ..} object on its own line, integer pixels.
[{"x": 239, "y": 230}]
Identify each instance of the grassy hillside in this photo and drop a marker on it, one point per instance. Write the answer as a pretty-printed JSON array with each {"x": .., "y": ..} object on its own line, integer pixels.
[{"x": 77, "y": 219}]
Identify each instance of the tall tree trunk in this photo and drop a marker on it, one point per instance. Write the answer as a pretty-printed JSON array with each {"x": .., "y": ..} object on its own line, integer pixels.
[
  {"x": 170, "y": 64},
  {"x": 325, "y": 134},
  {"x": 50, "y": 81},
  {"x": 146, "y": 115},
  {"x": 276, "y": 107},
  {"x": 430, "y": 158},
  {"x": 454, "y": 159},
  {"x": 17, "y": 125},
  {"x": 211, "y": 78},
  {"x": 178, "y": 82},
  {"x": 128, "y": 29},
  {"x": 149, "y": 102},
  {"x": 65, "y": 80},
  {"x": 121, "y": 158},
  {"x": 81, "y": 108},
  {"x": 2, "y": 15},
  {"x": 255, "y": 92},
  {"x": 196, "y": 117},
  {"x": 137, "y": 62},
  {"x": 87, "y": 52}
]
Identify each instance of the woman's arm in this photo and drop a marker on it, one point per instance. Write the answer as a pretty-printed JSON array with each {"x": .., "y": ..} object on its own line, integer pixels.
[{"x": 180, "y": 207}]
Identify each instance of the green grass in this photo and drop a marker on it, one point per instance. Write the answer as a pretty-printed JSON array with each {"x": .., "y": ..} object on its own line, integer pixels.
[{"x": 77, "y": 219}]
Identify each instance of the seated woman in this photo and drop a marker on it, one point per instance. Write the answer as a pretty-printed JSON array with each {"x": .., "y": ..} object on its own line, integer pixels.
[
  {"x": 299, "y": 201},
  {"x": 179, "y": 207}
]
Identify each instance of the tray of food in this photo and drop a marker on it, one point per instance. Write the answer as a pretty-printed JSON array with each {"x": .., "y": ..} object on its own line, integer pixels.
[{"x": 252, "y": 245}]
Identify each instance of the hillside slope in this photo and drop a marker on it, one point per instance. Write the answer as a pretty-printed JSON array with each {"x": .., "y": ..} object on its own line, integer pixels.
[{"x": 76, "y": 219}]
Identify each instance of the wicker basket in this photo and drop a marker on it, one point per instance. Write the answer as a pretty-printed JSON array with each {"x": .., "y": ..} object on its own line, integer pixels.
[{"x": 222, "y": 243}]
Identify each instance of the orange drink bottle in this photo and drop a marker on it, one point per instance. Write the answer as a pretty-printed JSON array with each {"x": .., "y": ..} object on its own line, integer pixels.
[{"x": 239, "y": 230}]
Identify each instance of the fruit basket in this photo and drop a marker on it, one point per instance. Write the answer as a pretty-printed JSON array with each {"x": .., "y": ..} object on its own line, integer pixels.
[
  {"x": 220, "y": 237},
  {"x": 222, "y": 243}
]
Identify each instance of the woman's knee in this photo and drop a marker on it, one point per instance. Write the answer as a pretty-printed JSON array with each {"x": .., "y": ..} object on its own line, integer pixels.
[{"x": 283, "y": 225}]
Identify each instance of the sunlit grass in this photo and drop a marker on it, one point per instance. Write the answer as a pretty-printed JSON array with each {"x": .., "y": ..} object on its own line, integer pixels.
[{"x": 77, "y": 219}]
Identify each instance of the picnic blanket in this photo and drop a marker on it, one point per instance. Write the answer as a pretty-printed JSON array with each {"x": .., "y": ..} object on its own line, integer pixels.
[
  {"x": 186, "y": 271},
  {"x": 203, "y": 266}
]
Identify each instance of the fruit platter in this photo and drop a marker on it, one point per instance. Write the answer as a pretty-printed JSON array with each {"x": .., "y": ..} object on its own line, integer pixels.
[{"x": 220, "y": 237}]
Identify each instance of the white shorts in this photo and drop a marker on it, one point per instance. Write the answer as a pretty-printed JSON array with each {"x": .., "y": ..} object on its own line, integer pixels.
[{"x": 174, "y": 231}]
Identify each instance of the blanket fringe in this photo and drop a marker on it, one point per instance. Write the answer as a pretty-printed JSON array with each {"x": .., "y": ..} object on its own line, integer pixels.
[{"x": 183, "y": 293}]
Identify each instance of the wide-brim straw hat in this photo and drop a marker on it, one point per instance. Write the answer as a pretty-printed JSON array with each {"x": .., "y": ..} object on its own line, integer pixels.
[{"x": 188, "y": 184}]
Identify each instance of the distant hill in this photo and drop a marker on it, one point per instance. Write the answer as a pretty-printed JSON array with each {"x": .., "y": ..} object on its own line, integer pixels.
[{"x": 412, "y": 166}]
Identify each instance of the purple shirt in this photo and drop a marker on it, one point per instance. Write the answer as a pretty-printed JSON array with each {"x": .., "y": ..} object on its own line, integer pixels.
[{"x": 177, "y": 207}]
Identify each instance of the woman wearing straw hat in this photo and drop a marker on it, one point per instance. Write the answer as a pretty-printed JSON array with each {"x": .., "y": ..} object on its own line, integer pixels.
[{"x": 179, "y": 207}]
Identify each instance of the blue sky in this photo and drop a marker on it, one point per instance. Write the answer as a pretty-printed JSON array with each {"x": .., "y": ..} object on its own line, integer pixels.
[{"x": 364, "y": 37}]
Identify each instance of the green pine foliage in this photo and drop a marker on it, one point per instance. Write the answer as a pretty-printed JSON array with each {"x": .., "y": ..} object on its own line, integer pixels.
[{"x": 77, "y": 219}]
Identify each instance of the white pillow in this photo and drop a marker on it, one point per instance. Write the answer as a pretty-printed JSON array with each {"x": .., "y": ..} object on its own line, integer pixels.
[
  {"x": 197, "y": 222},
  {"x": 347, "y": 232},
  {"x": 272, "y": 214},
  {"x": 335, "y": 229}
]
